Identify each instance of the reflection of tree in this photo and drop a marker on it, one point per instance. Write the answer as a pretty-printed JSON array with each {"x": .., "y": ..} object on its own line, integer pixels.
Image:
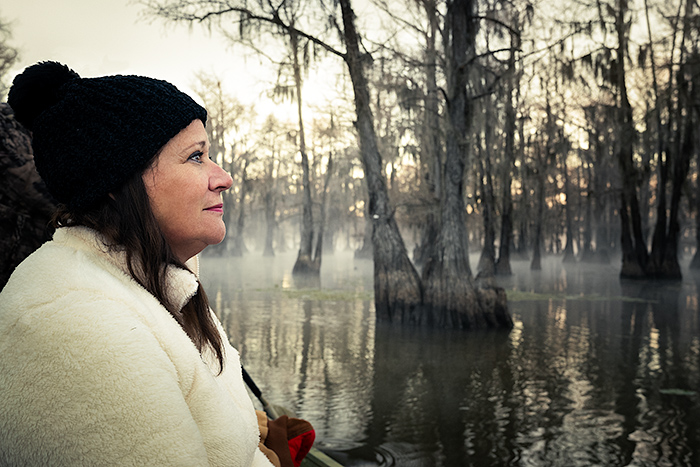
[
  {"x": 304, "y": 355},
  {"x": 633, "y": 323},
  {"x": 426, "y": 384},
  {"x": 653, "y": 362}
]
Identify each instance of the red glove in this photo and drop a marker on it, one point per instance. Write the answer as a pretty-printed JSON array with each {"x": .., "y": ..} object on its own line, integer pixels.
[{"x": 290, "y": 438}]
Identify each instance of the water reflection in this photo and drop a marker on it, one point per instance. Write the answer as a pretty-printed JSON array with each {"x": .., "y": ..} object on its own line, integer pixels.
[{"x": 595, "y": 371}]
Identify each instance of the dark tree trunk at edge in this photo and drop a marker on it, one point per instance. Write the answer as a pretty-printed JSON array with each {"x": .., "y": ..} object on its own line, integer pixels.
[{"x": 25, "y": 205}]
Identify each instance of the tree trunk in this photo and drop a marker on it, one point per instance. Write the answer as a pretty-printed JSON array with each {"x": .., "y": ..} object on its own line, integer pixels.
[
  {"x": 422, "y": 253},
  {"x": 587, "y": 241},
  {"x": 318, "y": 254},
  {"x": 659, "y": 240},
  {"x": 431, "y": 153},
  {"x": 397, "y": 288},
  {"x": 239, "y": 248},
  {"x": 536, "y": 263},
  {"x": 270, "y": 207},
  {"x": 521, "y": 248},
  {"x": 601, "y": 201},
  {"x": 664, "y": 254},
  {"x": 366, "y": 250},
  {"x": 687, "y": 134},
  {"x": 25, "y": 205},
  {"x": 542, "y": 157},
  {"x": 568, "y": 212},
  {"x": 270, "y": 201},
  {"x": 487, "y": 260},
  {"x": 695, "y": 262},
  {"x": 451, "y": 298},
  {"x": 281, "y": 242},
  {"x": 506, "y": 238},
  {"x": 634, "y": 251},
  {"x": 304, "y": 263},
  {"x": 670, "y": 268}
]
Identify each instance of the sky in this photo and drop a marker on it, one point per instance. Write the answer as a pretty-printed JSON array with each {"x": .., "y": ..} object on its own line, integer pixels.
[{"x": 100, "y": 37}]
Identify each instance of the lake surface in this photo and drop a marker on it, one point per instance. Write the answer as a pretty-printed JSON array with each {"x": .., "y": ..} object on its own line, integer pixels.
[{"x": 595, "y": 372}]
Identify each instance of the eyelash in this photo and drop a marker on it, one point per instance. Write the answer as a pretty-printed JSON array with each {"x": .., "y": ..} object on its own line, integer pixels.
[{"x": 194, "y": 156}]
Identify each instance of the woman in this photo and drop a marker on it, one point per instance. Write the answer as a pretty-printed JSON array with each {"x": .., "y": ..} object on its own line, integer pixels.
[{"x": 110, "y": 354}]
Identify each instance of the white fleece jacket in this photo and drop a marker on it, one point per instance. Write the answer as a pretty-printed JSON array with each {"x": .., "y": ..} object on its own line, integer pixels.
[{"x": 95, "y": 372}]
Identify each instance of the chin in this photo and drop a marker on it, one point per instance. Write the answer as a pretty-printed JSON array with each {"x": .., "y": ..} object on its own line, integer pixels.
[
  {"x": 216, "y": 239},
  {"x": 216, "y": 242},
  {"x": 214, "y": 234}
]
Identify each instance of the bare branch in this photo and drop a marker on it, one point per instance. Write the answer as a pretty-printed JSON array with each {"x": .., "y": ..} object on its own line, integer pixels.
[{"x": 189, "y": 12}]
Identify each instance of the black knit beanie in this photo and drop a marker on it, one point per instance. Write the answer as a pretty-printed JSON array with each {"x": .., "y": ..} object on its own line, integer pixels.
[{"x": 90, "y": 135}]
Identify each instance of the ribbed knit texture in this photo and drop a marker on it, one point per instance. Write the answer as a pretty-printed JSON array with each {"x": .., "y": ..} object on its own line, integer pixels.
[{"x": 101, "y": 131}]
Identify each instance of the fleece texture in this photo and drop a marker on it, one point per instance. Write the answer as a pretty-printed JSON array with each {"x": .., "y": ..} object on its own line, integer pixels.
[{"x": 94, "y": 371}]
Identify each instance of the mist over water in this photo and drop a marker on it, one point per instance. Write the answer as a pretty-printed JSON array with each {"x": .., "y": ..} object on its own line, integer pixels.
[{"x": 595, "y": 372}]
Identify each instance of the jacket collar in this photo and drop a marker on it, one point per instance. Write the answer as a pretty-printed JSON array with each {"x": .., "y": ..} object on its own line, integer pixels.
[{"x": 181, "y": 284}]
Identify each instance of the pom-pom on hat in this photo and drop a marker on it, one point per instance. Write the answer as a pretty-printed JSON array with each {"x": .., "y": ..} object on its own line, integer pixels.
[{"x": 90, "y": 135}]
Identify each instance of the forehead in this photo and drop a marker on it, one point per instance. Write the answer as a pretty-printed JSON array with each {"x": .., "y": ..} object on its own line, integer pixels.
[{"x": 192, "y": 136}]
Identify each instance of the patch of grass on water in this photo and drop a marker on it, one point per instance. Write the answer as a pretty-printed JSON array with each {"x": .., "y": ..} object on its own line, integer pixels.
[
  {"x": 677, "y": 392},
  {"x": 335, "y": 295},
  {"x": 520, "y": 296},
  {"x": 321, "y": 295}
]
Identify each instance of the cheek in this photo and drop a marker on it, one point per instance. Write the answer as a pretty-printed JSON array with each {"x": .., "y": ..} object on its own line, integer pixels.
[
  {"x": 161, "y": 199},
  {"x": 162, "y": 189},
  {"x": 179, "y": 207},
  {"x": 176, "y": 197}
]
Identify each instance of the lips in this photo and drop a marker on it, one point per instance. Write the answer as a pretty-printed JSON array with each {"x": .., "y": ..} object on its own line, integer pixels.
[{"x": 216, "y": 208}]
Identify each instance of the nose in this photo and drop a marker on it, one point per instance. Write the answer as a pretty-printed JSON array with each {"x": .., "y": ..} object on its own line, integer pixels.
[{"x": 219, "y": 180}]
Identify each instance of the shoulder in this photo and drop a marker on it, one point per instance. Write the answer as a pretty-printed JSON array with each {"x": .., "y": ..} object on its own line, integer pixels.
[
  {"x": 58, "y": 277},
  {"x": 66, "y": 262},
  {"x": 66, "y": 313},
  {"x": 62, "y": 297},
  {"x": 70, "y": 289}
]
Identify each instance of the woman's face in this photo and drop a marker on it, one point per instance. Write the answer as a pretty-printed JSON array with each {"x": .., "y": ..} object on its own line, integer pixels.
[{"x": 184, "y": 187}]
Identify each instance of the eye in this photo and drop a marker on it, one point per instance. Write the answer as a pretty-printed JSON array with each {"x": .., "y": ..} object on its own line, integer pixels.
[{"x": 196, "y": 157}]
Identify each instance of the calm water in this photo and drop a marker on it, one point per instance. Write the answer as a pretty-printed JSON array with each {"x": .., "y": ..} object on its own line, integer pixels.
[{"x": 595, "y": 372}]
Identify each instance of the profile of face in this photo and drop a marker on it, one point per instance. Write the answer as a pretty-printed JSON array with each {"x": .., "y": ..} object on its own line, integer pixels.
[{"x": 184, "y": 188}]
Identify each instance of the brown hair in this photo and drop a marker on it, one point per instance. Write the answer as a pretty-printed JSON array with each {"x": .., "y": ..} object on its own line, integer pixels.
[{"x": 126, "y": 221}]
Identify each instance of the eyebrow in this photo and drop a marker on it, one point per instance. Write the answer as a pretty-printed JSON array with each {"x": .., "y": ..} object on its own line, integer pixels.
[{"x": 199, "y": 144}]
